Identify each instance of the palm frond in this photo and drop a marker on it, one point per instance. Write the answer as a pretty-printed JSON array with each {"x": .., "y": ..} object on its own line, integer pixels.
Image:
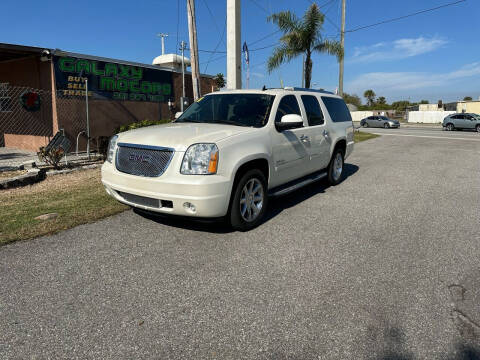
[
  {"x": 313, "y": 22},
  {"x": 279, "y": 56},
  {"x": 285, "y": 20},
  {"x": 330, "y": 47}
]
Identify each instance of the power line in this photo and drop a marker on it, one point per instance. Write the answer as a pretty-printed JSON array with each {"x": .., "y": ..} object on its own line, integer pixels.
[
  {"x": 265, "y": 37},
  {"x": 260, "y": 6},
  {"x": 216, "y": 47},
  {"x": 178, "y": 20},
  {"x": 213, "y": 17},
  {"x": 404, "y": 16}
]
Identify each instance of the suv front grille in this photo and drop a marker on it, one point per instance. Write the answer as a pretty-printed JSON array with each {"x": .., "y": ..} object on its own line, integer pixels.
[{"x": 142, "y": 160}]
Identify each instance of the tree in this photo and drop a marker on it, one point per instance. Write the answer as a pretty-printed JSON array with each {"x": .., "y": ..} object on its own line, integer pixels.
[
  {"x": 219, "y": 80},
  {"x": 301, "y": 37},
  {"x": 467, "y": 98},
  {"x": 424, "y": 102},
  {"x": 401, "y": 105},
  {"x": 370, "y": 96},
  {"x": 352, "y": 99},
  {"x": 381, "y": 100}
]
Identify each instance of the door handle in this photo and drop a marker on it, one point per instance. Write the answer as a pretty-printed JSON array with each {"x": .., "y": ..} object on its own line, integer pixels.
[
  {"x": 304, "y": 138},
  {"x": 325, "y": 133}
]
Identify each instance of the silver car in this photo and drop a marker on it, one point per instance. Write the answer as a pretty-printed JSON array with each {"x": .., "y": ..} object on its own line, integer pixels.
[
  {"x": 462, "y": 121},
  {"x": 379, "y": 121}
]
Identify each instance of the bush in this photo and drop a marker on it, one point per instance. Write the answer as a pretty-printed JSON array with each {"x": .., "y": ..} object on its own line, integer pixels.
[
  {"x": 140, "y": 124},
  {"x": 51, "y": 156}
]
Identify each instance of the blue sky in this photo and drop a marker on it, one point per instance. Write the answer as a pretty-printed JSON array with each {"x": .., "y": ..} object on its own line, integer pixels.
[{"x": 430, "y": 56}]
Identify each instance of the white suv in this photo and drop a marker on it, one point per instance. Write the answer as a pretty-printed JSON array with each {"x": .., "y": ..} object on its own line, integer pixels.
[{"x": 229, "y": 151}]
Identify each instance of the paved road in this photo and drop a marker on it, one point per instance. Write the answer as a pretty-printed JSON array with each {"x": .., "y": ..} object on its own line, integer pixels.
[
  {"x": 425, "y": 132},
  {"x": 383, "y": 266}
]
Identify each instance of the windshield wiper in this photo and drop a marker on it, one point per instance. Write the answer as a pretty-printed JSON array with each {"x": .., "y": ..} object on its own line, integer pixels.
[
  {"x": 188, "y": 120},
  {"x": 229, "y": 122}
]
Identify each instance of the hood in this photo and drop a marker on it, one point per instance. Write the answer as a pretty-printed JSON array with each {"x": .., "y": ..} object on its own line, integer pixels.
[{"x": 180, "y": 136}]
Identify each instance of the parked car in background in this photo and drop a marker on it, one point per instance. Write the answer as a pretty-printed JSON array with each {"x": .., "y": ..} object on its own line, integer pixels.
[
  {"x": 379, "y": 121},
  {"x": 462, "y": 121},
  {"x": 229, "y": 152}
]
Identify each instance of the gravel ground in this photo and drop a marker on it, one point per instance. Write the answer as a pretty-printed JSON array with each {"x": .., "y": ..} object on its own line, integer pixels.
[{"x": 383, "y": 266}]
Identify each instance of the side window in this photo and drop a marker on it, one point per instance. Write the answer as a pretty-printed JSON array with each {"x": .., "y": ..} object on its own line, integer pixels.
[
  {"x": 313, "y": 110},
  {"x": 288, "y": 105},
  {"x": 337, "y": 109}
]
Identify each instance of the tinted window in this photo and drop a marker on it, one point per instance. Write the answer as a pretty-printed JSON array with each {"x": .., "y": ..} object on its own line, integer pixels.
[
  {"x": 337, "y": 109},
  {"x": 288, "y": 105},
  {"x": 312, "y": 107},
  {"x": 234, "y": 109}
]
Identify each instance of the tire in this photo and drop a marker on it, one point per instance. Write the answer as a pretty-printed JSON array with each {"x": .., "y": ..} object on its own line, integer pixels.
[
  {"x": 450, "y": 127},
  {"x": 335, "y": 168},
  {"x": 477, "y": 128},
  {"x": 365, "y": 124},
  {"x": 386, "y": 126},
  {"x": 243, "y": 216}
]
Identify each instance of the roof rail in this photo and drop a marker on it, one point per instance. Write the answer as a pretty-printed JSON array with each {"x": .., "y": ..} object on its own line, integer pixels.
[{"x": 309, "y": 90}]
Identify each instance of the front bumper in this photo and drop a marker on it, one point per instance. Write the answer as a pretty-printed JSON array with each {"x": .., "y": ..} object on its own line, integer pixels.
[{"x": 210, "y": 194}]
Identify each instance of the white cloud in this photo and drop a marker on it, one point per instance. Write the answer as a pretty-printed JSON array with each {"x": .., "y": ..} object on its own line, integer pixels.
[
  {"x": 389, "y": 82},
  {"x": 398, "y": 49}
]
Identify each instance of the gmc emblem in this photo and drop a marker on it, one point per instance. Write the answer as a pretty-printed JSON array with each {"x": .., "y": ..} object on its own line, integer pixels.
[{"x": 140, "y": 158}]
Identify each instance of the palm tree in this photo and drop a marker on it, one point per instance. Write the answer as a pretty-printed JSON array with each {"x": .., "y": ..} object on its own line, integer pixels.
[
  {"x": 370, "y": 96},
  {"x": 301, "y": 37}
]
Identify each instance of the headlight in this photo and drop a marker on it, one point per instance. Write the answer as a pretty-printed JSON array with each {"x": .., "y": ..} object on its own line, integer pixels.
[
  {"x": 112, "y": 144},
  {"x": 200, "y": 159}
]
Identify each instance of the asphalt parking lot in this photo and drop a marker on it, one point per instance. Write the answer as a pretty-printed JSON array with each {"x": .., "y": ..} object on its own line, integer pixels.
[{"x": 383, "y": 266}]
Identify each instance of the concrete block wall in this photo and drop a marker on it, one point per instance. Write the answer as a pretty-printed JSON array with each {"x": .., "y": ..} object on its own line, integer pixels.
[{"x": 428, "y": 117}]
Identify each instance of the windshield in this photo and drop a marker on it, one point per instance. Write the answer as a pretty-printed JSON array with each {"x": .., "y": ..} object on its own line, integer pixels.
[{"x": 234, "y": 109}]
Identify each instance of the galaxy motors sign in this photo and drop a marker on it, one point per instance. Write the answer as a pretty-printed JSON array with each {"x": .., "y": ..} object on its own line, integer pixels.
[{"x": 111, "y": 80}]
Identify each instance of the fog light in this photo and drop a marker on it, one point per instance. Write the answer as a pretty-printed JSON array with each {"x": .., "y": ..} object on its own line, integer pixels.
[{"x": 190, "y": 207}]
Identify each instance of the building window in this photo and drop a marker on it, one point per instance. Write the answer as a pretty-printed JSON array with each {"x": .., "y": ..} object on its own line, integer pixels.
[{"x": 5, "y": 100}]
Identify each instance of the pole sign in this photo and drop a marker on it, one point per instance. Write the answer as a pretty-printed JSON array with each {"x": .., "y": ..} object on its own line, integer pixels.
[{"x": 111, "y": 81}]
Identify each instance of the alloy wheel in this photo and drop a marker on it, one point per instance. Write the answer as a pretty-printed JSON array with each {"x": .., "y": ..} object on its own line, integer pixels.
[
  {"x": 251, "y": 200},
  {"x": 337, "y": 166}
]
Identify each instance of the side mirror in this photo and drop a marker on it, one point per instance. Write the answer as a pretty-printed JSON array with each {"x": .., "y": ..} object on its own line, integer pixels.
[
  {"x": 178, "y": 114},
  {"x": 289, "y": 121}
]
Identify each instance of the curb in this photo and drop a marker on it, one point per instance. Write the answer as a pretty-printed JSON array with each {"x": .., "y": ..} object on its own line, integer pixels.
[{"x": 31, "y": 177}]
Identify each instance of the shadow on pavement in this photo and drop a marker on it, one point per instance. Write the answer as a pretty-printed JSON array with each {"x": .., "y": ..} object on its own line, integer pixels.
[{"x": 275, "y": 207}]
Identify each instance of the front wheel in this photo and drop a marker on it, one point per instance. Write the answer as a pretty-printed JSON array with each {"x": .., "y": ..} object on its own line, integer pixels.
[
  {"x": 450, "y": 127},
  {"x": 386, "y": 126},
  {"x": 365, "y": 124},
  {"x": 249, "y": 201},
  {"x": 335, "y": 168},
  {"x": 478, "y": 128}
]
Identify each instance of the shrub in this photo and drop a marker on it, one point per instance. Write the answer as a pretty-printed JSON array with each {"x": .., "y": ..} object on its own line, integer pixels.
[
  {"x": 140, "y": 124},
  {"x": 51, "y": 156}
]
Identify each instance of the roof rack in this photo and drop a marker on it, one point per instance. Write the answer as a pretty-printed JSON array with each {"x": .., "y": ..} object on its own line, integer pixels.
[{"x": 309, "y": 90}]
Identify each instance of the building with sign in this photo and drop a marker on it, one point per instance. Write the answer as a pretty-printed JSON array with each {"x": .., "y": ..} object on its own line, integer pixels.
[{"x": 43, "y": 91}]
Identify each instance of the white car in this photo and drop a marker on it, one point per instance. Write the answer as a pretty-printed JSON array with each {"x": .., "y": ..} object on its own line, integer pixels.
[{"x": 229, "y": 152}]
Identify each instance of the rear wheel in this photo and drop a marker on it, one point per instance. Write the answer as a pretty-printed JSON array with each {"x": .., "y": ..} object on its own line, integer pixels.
[
  {"x": 335, "y": 168},
  {"x": 249, "y": 201},
  {"x": 450, "y": 127}
]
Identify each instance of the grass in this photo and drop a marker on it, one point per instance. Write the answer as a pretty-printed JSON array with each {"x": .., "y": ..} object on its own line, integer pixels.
[
  {"x": 77, "y": 198},
  {"x": 359, "y": 136}
]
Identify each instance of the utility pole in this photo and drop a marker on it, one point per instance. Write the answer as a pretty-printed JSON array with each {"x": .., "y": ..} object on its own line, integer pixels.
[
  {"x": 182, "y": 100},
  {"x": 163, "y": 36},
  {"x": 342, "y": 42},
  {"x": 192, "y": 33},
  {"x": 234, "y": 65}
]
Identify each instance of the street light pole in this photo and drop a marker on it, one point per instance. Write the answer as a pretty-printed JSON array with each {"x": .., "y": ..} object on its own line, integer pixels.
[
  {"x": 163, "y": 36},
  {"x": 342, "y": 42},
  {"x": 234, "y": 73}
]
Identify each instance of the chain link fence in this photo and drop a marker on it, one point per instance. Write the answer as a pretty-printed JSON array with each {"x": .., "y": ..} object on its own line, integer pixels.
[
  {"x": 34, "y": 112},
  {"x": 24, "y": 111}
]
